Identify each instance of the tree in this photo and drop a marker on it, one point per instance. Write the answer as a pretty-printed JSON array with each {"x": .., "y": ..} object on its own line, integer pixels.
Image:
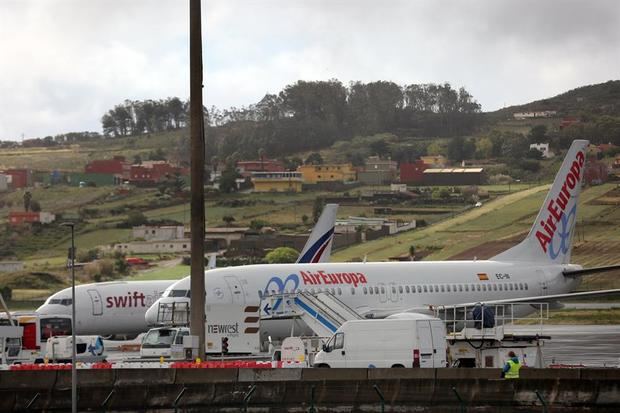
[
  {"x": 435, "y": 149},
  {"x": 261, "y": 156},
  {"x": 27, "y": 198},
  {"x": 538, "y": 134},
  {"x": 228, "y": 219},
  {"x": 314, "y": 158},
  {"x": 380, "y": 147},
  {"x": 317, "y": 209},
  {"x": 136, "y": 218},
  {"x": 484, "y": 148},
  {"x": 228, "y": 181},
  {"x": 35, "y": 206},
  {"x": 282, "y": 255}
]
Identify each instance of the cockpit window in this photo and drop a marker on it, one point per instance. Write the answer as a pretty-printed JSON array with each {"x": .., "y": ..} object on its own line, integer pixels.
[
  {"x": 178, "y": 293},
  {"x": 60, "y": 301}
]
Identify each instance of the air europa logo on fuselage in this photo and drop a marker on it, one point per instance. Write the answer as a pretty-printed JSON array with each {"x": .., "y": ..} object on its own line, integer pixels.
[
  {"x": 557, "y": 207},
  {"x": 322, "y": 277}
]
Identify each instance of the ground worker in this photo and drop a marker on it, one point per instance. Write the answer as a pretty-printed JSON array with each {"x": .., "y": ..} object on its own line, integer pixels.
[{"x": 512, "y": 366}]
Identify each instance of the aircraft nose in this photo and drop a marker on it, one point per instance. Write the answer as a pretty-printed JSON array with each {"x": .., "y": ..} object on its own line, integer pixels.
[{"x": 151, "y": 314}]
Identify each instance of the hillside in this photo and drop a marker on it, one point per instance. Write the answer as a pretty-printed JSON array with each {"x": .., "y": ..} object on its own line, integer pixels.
[{"x": 599, "y": 99}]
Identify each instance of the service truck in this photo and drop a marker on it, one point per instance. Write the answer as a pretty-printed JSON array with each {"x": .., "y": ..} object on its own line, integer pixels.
[
  {"x": 164, "y": 342},
  {"x": 403, "y": 340}
]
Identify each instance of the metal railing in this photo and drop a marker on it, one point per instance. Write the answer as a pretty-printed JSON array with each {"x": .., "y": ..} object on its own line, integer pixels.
[{"x": 491, "y": 319}]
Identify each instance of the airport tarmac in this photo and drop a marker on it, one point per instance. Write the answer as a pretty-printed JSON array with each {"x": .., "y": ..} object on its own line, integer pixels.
[{"x": 590, "y": 345}]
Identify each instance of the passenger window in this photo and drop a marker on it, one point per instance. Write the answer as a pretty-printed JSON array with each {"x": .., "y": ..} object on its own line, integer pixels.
[
  {"x": 339, "y": 291},
  {"x": 370, "y": 290},
  {"x": 333, "y": 291},
  {"x": 365, "y": 290},
  {"x": 501, "y": 287},
  {"x": 260, "y": 294},
  {"x": 393, "y": 290},
  {"x": 478, "y": 287},
  {"x": 419, "y": 289},
  {"x": 382, "y": 290},
  {"x": 339, "y": 342},
  {"x": 510, "y": 286},
  {"x": 377, "y": 290},
  {"x": 425, "y": 288},
  {"x": 484, "y": 287},
  {"x": 494, "y": 287},
  {"x": 526, "y": 286},
  {"x": 466, "y": 287},
  {"x": 400, "y": 289},
  {"x": 461, "y": 288},
  {"x": 443, "y": 288},
  {"x": 436, "y": 288},
  {"x": 407, "y": 289},
  {"x": 448, "y": 288},
  {"x": 352, "y": 291}
]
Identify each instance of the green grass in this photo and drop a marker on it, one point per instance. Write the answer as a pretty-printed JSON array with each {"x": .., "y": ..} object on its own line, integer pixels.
[
  {"x": 500, "y": 218},
  {"x": 15, "y": 305},
  {"x": 170, "y": 273},
  {"x": 582, "y": 317},
  {"x": 446, "y": 235}
]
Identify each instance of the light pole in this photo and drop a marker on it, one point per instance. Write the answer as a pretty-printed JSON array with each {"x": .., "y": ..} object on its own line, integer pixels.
[{"x": 73, "y": 370}]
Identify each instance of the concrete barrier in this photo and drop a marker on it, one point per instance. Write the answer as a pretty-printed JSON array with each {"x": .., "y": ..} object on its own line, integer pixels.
[
  {"x": 253, "y": 375},
  {"x": 533, "y": 374},
  {"x": 333, "y": 374},
  {"x": 295, "y": 390},
  {"x": 195, "y": 376},
  {"x": 393, "y": 374},
  {"x": 136, "y": 377}
]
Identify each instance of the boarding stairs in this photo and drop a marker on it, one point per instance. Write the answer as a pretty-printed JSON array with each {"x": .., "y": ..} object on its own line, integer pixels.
[
  {"x": 322, "y": 312},
  {"x": 173, "y": 314}
]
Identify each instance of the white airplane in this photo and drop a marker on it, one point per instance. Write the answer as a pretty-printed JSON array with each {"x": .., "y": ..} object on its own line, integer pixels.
[
  {"x": 536, "y": 270},
  {"x": 316, "y": 250},
  {"x": 119, "y": 307},
  {"x": 107, "y": 308}
]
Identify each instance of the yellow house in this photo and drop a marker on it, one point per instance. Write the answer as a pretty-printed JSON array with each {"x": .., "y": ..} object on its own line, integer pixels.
[
  {"x": 277, "y": 181},
  {"x": 327, "y": 173}
]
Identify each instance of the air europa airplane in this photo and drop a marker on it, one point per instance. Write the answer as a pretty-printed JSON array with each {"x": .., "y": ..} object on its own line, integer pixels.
[
  {"x": 317, "y": 250},
  {"x": 119, "y": 307},
  {"x": 536, "y": 270}
]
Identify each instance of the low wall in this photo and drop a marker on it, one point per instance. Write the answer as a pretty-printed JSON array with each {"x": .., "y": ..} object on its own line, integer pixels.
[{"x": 296, "y": 390}]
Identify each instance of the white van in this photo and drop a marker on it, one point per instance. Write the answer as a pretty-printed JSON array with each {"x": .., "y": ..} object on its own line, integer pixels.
[{"x": 409, "y": 340}]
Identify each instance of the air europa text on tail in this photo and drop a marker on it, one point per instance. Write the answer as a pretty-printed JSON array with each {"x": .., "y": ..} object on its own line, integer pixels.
[{"x": 557, "y": 207}]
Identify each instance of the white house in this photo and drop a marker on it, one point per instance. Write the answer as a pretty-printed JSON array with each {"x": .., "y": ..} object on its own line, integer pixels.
[{"x": 542, "y": 148}]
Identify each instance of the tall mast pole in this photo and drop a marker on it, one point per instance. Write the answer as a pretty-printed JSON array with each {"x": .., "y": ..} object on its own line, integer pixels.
[{"x": 197, "y": 309}]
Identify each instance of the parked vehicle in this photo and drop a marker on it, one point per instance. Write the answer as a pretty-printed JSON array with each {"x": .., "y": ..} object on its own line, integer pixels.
[
  {"x": 164, "y": 342},
  {"x": 408, "y": 340},
  {"x": 87, "y": 349}
]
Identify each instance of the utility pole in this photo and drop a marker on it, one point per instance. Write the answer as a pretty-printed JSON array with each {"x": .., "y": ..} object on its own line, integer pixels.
[{"x": 197, "y": 219}]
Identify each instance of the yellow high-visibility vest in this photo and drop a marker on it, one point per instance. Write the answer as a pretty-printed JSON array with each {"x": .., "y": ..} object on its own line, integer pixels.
[{"x": 513, "y": 373}]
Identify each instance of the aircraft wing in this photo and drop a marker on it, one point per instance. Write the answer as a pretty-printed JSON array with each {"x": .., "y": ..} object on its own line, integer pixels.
[
  {"x": 545, "y": 298},
  {"x": 551, "y": 299},
  {"x": 588, "y": 271}
]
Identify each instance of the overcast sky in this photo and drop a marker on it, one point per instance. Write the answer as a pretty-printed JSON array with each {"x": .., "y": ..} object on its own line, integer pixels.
[{"x": 64, "y": 63}]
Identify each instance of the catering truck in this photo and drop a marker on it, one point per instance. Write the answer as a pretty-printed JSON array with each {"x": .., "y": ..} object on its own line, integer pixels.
[{"x": 403, "y": 340}]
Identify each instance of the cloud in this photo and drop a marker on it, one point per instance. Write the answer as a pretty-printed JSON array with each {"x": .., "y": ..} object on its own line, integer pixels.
[{"x": 65, "y": 62}]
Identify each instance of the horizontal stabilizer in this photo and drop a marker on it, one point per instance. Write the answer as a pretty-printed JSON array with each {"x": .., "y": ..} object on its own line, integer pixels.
[{"x": 588, "y": 271}]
